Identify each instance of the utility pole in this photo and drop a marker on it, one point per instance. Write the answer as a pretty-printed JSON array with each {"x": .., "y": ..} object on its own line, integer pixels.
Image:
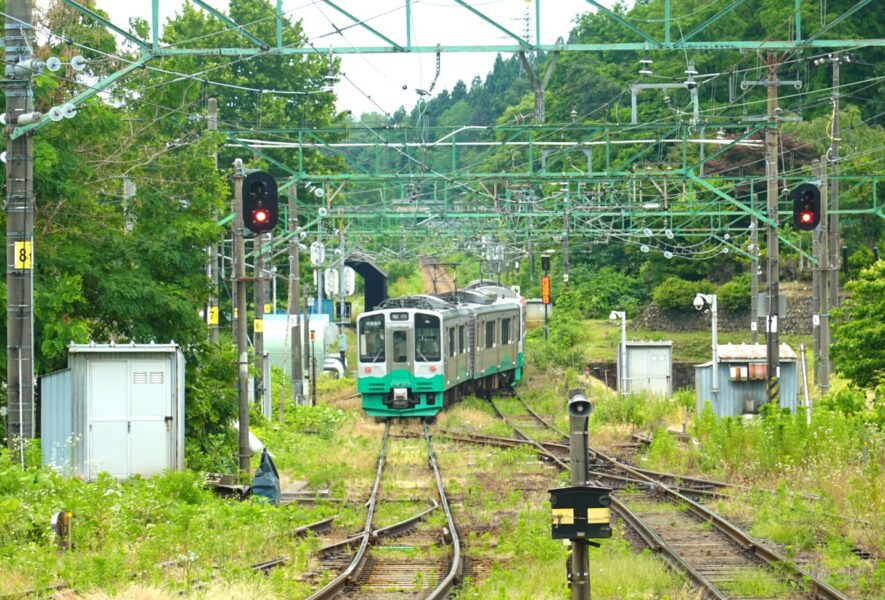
[
  {"x": 212, "y": 317},
  {"x": 240, "y": 319},
  {"x": 20, "y": 257},
  {"x": 578, "y": 453},
  {"x": 772, "y": 192},
  {"x": 258, "y": 299},
  {"x": 833, "y": 225},
  {"x": 306, "y": 335},
  {"x": 537, "y": 86},
  {"x": 293, "y": 304},
  {"x": 821, "y": 237},
  {"x": 754, "y": 276}
]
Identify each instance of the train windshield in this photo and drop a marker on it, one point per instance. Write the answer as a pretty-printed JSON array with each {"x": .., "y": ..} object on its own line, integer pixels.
[
  {"x": 372, "y": 339},
  {"x": 427, "y": 338}
]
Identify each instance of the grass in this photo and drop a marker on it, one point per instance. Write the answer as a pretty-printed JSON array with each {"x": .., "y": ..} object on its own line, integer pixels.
[
  {"x": 755, "y": 584},
  {"x": 600, "y": 340}
]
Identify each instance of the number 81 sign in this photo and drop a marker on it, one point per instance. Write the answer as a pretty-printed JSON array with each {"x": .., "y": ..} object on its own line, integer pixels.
[{"x": 23, "y": 255}]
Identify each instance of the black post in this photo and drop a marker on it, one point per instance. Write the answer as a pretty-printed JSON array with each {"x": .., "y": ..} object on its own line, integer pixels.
[{"x": 579, "y": 410}]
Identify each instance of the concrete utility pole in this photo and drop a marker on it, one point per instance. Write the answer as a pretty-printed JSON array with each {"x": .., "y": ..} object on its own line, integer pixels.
[
  {"x": 20, "y": 258},
  {"x": 754, "y": 277},
  {"x": 822, "y": 247},
  {"x": 258, "y": 300},
  {"x": 240, "y": 320},
  {"x": 293, "y": 304},
  {"x": 307, "y": 348},
  {"x": 772, "y": 191},
  {"x": 212, "y": 316}
]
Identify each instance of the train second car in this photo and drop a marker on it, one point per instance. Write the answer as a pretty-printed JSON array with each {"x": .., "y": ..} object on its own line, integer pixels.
[{"x": 419, "y": 354}]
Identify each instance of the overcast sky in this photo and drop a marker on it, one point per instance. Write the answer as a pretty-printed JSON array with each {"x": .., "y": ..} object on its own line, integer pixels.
[{"x": 383, "y": 78}]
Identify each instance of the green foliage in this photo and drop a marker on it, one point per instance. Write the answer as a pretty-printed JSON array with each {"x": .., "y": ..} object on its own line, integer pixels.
[
  {"x": 592, "y": 295},
  {"x": 677, "y": 294},
  {"x": 766, "y": 445},
  {"x": 734, "y": 296},
  {"x": 561, "y": 347},
  {"x": 321, "y": 420},
  {"x": 646, "y": 411},
  {"x": 123, "y": 529},
  {"x": 211, "y": 408},
  {"x": 858, "y": 349}
]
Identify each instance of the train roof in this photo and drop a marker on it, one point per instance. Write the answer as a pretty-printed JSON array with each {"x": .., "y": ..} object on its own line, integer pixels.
[{"x": 421, "y": 302}]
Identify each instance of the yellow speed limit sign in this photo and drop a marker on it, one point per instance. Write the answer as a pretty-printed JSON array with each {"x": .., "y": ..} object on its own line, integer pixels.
[
  {"x": 23, "y": 255},
  {"x": 213, "y": 315},
  {"x": 259, "y": 326}
]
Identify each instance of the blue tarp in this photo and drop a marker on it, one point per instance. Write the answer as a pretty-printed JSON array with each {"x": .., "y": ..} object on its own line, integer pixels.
[{"x": 267, "y": 481}]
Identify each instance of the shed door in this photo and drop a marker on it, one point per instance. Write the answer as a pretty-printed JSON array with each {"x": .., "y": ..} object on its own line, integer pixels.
[
  {"x": 658, "y": 370},
  {"x": 108, "y": 428},
  {"x": 150, "y": 416},
  {"x": 131, "y": 428}
]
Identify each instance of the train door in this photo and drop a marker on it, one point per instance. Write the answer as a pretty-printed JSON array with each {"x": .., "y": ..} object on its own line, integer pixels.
[{"x": 400, "y": 348}]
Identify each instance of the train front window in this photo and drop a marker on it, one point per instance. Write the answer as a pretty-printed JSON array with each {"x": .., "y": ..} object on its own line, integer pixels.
[
  {"x": 427, "y": 338},
  {"x": 372, "y": 339}
]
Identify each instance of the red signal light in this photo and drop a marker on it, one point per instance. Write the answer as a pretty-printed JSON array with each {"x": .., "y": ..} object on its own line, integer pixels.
[
  {"x": 259, "y": 216},
  {"x": 806, "y": 217}
]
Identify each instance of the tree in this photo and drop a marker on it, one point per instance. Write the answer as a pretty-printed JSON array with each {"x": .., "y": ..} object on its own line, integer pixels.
[{"x": 859, "y": 348}]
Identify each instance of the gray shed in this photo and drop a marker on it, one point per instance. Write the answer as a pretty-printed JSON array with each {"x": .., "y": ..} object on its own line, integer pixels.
[
  {"x": 649, "y": 367},
  {"x": 743, "y": 380},
  {"x": 118, "y": 409}
]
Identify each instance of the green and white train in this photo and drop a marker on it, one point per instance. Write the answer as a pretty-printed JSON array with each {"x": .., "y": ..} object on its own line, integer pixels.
[{"x": 419, "y": 354}]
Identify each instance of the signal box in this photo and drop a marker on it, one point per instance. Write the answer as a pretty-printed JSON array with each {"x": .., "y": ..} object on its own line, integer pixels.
[{"x": 580, "y": 512}]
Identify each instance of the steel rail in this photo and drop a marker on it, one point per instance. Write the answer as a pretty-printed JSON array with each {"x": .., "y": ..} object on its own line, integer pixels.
[
  {"x": 336, "y": 585},
  {"x": 770, "y": 557},
  {"x": 445, "y": 586}
]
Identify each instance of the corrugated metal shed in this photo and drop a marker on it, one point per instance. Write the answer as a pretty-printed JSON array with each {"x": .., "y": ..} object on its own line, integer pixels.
[
  {"x": 743, "y": 380},
  {"x": 116, "y": 408}
]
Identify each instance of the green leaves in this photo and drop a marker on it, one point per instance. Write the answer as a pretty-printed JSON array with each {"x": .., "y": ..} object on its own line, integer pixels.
[{"x": 858, "y": 348}]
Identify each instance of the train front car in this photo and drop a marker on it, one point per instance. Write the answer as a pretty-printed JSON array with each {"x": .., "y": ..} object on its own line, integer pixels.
[{"x": 402, "y": 370}]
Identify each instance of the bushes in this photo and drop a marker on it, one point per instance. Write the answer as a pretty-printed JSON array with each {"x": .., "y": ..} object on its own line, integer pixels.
[
  {"x": 734, "y": 296},
  {"x": 560, "y": 349},
  {"x": 677, "y": 294},
  {"x": 592, "y": 295},
  {"x": 211, "y": 407}
]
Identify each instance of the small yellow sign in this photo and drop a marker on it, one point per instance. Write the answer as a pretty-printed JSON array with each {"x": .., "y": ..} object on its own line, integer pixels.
[
  {"x": 236, "y": 313},
  {"x": 259, "y": 326},
  {"x": 599, "y": 516},
  {"x": 23, "y": 255},
  {"x": 563, "y": 516},
  {"x": 213, "y": 315},
  {"x": 268, "y": 308}
]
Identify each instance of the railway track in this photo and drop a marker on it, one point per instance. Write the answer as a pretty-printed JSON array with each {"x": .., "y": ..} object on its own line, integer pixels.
[
  {"x": 401, "y": 560},
  {"x": 722, "y": 560}
]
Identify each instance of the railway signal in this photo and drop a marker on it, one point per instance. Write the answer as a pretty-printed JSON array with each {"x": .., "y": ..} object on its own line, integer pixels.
[
  {"x": 806, "y": 206},
  {"x": 260, "y": 203}
]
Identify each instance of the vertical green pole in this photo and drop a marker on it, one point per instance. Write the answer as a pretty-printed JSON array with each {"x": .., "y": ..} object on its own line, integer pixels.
[
  {"x": 155, "y": 23},
  {"x": 279, "y": 17},
  {"x": 409, "y": 24},
  {"x": 608, "y": 151},
  {"x": 798, "y": 21},
  {"x": 537, "y": 22},
  {"x": 667, "y": 21}
]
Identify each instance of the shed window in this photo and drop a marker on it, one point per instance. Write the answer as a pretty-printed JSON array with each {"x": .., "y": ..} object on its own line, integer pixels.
[
  {"x": 427, "y": 338},
  {"x": 490, "y": 334},
  {"x": 372, "y": 338}
]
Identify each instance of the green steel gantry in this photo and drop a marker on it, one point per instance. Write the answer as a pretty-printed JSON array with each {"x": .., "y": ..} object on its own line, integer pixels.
[{"x": 593, "y": 180}]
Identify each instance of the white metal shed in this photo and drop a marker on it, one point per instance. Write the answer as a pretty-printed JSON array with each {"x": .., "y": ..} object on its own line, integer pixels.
[{"x": 117, "y": 409}]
